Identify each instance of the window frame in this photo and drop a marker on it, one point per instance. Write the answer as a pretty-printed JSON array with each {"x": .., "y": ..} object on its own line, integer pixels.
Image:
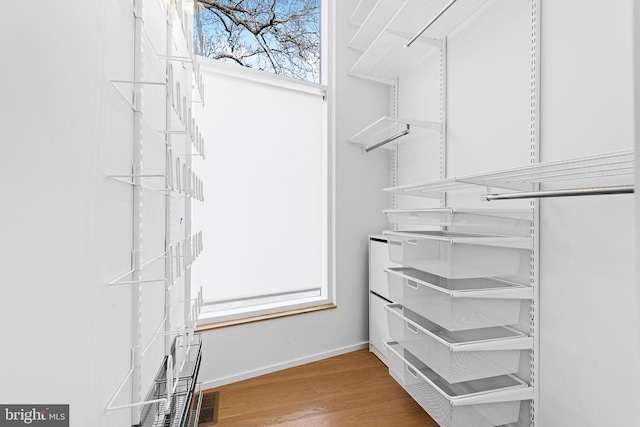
[{"x": 327, "y": 298}]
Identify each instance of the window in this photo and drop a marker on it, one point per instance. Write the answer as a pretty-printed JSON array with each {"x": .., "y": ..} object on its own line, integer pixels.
[
  {"x": 279, "y": 36},
  {"x": 267, "y": 213}
]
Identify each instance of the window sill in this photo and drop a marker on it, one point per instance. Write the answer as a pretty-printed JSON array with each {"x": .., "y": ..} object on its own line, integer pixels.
[{"x": 258, "y": 318}]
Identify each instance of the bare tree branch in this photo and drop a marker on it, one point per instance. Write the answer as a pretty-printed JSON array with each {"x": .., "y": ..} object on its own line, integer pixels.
[{"x": 281, "y": 36}]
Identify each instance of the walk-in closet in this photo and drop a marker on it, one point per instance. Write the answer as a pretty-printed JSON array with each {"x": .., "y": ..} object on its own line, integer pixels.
[{"x": 432, "y": 221}]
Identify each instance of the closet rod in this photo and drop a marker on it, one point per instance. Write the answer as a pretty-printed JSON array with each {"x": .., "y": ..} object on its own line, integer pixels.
[
  {"x": 559, "y": 193},
  {"x": 388, "y": 140},
  {"x": 430, "y": 23}
]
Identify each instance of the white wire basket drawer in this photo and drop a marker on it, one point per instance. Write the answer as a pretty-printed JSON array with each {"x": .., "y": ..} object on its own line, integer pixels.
[
  {"x": 458, "y": 356},
  {"x": 457, "y": 255},
  {"x": 480, "y": 403},
  {"x": 457, "y": 304},
  {"x": 459, "y": 217}
]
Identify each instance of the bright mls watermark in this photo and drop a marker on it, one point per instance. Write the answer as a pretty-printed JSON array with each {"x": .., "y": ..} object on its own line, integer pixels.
[{"x": 34, "y": 415}]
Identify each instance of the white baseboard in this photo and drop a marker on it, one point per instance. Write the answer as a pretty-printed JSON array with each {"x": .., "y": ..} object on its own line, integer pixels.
[{"x": 206, "y": 384}]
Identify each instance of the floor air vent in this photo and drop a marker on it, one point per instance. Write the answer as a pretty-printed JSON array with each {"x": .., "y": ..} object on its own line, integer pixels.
[{"x": 209, "y": 409}]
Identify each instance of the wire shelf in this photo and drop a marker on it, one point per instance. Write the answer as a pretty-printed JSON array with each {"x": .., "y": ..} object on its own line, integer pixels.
[
  {"x": 526, "y": 178},
  {"x": 389, "y": 128},
  {"x": 362, "y": 10},
  {"x": 181, "y": 181},
  {"x": 179, "y": 256},
  {"x": 431, "y": 189},
  {"x": 391, "y": 52},
  {"x": 372, "y": 20}
]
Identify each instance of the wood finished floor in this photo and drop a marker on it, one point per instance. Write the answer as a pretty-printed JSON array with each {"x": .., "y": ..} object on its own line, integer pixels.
[{"x": 353, "y": 389}]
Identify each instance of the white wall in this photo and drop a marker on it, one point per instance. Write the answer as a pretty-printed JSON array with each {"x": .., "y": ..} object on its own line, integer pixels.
[
  {"x": 62, "y": 330},
  {"x": 66, "y": 228},
  {"x": 588, "y": 310},
  {"x": 239, "y": 352}
]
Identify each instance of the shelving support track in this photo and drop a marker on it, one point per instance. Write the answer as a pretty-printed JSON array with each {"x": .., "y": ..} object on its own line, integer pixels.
[
  {"x": 443, "y": 117},
  {"x": 168, "y": 210},
  {"x": 138, "y": 143},
  {"x": 534, "y": 263}
]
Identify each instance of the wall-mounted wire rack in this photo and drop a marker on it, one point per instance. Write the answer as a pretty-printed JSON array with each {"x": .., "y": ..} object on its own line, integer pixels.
[
  {"x": 386, "y": 130},
  {"x": 617, "y": 166},
  {"x": 160, "y": 93},
  {"x": 371, "y": 17},
  {"x": 175, "y": 12},
  {"x": 182, "y": 120},
  {"x": 170, "y": 396},
  {"x": 175, "y": 386},
  {"x": 181, "y": 180},
  {"x": 397, "y": 34},
  {"x": 179, "y": 257},
  {"x": 361, "y": 12}
]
